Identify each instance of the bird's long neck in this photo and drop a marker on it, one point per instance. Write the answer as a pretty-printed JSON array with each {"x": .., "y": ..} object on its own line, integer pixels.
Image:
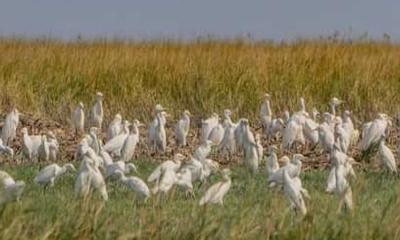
[
  {"x": 135, "y": 130},
  {"x": 333, "y": 109},
  {"x": 302, "y": 105},
  {"x": 268, "y": 108},
  {"x": 100, "y": 107}
]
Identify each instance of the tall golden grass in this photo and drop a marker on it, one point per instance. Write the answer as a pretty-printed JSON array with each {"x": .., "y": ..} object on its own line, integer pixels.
[{"x": 48, "y": 77}]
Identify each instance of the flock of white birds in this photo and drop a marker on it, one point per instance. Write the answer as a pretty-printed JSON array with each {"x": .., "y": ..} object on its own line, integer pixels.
[{"x": 99, "y": 161}]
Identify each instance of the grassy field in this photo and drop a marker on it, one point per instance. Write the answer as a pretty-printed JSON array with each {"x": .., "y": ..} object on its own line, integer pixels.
[
  {"x": 250, "y": 211},
  {"x": 48, "y": 78}
]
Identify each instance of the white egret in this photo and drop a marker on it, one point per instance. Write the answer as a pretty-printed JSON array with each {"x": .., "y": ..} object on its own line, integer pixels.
[
  {"x": 343, "y": 138},
  {"x": 30, "y": 144},
  {"x": 53, "y": 146},
  {"x": 251, "y": 149},
  {"x": 331, "y": 181},
  {"x": 293, "y": 192},
  {"x": 293, "y": 133},
  {"x": 272, "y": 164},
  {"x": 174, "y": 165},
  {"x": 196, "y": 168},
  {"x": 333, "y": 104},
  {"x": 315, "y": 114},
  {"x": 216, "y": 134},
  {"x": 153, "y": 125},
  {"x": 10, "y": 190},
  {"x": 107, "y": 159},
  {"x": 216, "y": 193},
  {"x": 266, "y": 114},
  {"x": 182, "y": 128},
  {"x": 50, "y": 173},
  {"x": 387, "y": 156},
  {"x": 203, "y": 150},
  {"x": 239, "y": 132},
  {"x": 184, "y": 180},
  {"x": 349, "y": 127},
  {"x": 78, "y": 118},
  {"x": 167, "y": 180},
  {"x": 286, "y": 116},
  {"x": 139, "y": 187},
  {"x": 129, "y": 147},
  {"x": 228, "y": 143},
  {"x": 343, "y": 188},
  {"x": 44, "y": 150},
  {"x": 207, "y": 126},
  {"x": 160, "y": 137},
  {"x": 115, "y": 127},
  {"x": 97, "y": 111},
  {"x": 89, "y": 178},
  {"x": 277, "y": 126},
  {"x": 93, "y": 139},
  {"x": 5, "y": 149},
  {"x": 293, "y": 167},
  {"x": 326, "y": 137},
  {"x": 115, "y": 145},
  {"x": 260, "y": 148},
  {"x": 126, "y": 168},
  {"x": 9, "y": 130},
  {"x": 373, "y": 131}
]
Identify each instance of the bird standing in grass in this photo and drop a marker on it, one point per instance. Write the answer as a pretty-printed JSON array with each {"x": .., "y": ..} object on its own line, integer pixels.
[
  {"x": 266, "y": 114},
  {"x": 90, "y": 178},
  {"x": 30, "y": 144},
  {"x": 293, "y": 192},
  {"x": 136, "y": 184},
  {"x": 129, "y": 147},
  {"x": 97, "y": 111},
  {"x": 6, "y": 149},
  {"x": 10, "y": 190},
  {"x": 387, "y": 156},
  {"x": 114, "y": 145},
  {"x": 50, "y": 173},
  {"x": 115, "y": 127},
  {"x": 78, "y": 118},
  {"x": 216, "y": 193},
  {"x": 9, "y": 130},
  {"x": 182, "y": 128}
]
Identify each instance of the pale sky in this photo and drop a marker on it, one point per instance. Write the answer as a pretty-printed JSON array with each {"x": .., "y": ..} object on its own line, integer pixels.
[{"x": 186, "y": 19}]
